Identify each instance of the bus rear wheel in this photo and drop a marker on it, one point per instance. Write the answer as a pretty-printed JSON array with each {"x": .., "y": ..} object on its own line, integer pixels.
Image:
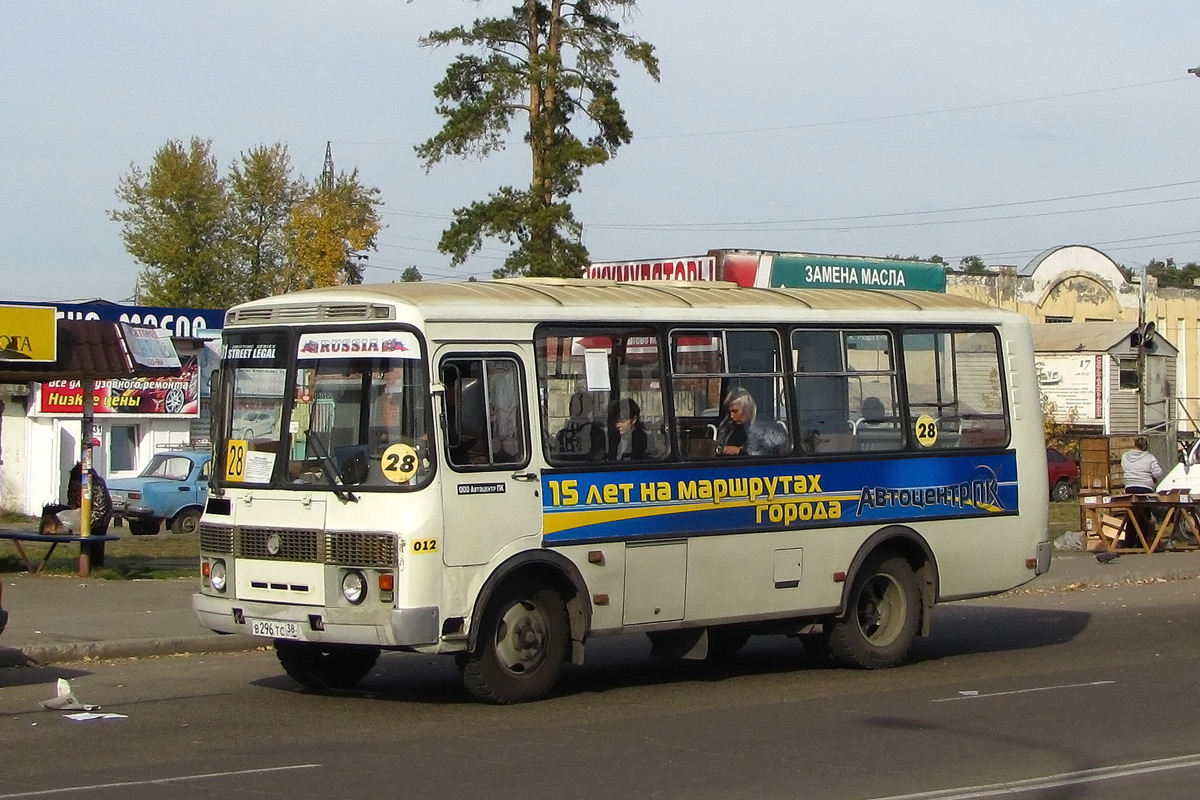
[
  {"x": 880, "y": 622},
  {"x": 321, "y": 666},
  {"x": 522, "y": 643}
]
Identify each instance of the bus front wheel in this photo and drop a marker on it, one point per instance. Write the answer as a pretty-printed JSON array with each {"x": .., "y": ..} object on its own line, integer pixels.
[
  {"x": 321, "y": 666},
  {"x": 522, "y": 644},
  {"x": 881, "y": 617}
]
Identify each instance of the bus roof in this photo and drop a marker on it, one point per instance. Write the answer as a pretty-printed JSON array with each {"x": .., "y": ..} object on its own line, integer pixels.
[{"x": 554, "y": 299}]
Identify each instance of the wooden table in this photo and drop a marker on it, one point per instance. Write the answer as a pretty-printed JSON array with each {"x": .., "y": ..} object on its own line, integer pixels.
[{"x": 1109, "y": 518}]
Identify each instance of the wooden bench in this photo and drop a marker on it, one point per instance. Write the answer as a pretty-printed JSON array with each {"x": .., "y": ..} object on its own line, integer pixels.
[{"x": 52, "y": 539}]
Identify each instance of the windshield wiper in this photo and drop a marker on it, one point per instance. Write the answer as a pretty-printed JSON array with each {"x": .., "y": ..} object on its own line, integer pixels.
[{"x": 331, "y": 472}]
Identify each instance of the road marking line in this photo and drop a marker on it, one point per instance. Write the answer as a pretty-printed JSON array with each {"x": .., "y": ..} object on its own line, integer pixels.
[
  {"x": 1053, "y": 781},
  {"x": 1023, "y": 691},
  {"x": 176, "y": 779}
]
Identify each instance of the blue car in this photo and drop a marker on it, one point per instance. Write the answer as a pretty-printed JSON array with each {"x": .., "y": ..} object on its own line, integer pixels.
[{"x": 173, "y": 488}]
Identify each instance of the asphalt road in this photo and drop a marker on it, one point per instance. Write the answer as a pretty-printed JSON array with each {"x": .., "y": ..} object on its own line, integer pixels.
[{"x": 1088, "y": 694}]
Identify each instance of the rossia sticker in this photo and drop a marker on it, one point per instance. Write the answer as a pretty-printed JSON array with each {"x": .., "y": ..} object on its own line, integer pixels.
[{"x": 392, "y": 344}]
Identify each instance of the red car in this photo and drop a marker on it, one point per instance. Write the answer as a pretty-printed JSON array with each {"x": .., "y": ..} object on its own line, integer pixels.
[{"x": 1063, "y": 473}]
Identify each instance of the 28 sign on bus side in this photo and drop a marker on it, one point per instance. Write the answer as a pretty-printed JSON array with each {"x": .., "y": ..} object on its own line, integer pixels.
[{"x": 926, "y": 431}]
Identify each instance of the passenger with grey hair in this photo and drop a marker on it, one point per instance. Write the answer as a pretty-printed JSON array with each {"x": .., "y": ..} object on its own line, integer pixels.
[{"x": 741, "y": 433}]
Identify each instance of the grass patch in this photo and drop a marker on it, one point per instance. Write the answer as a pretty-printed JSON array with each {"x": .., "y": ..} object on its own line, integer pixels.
[
  {"x": 1064, "y": 517},
  {"x": 11, "y": 519},
  {"x": 130, "y": 557},
  {"x": 129, "y": 570}
]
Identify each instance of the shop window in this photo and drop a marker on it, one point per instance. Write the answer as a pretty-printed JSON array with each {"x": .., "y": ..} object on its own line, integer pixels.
[{"x": 122, "y": 448}]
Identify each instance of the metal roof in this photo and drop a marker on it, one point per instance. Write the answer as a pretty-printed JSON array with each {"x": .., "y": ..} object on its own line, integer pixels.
[
  {"x": 564, "y": 298},
  {"x": 1068, "y": 337},
  {"x": 1089, "y": 337},
  {"x": 87, "y": 350}
]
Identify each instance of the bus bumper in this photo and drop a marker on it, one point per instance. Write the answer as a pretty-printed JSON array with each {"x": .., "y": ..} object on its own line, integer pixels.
[{"x": 397, "y": 627}]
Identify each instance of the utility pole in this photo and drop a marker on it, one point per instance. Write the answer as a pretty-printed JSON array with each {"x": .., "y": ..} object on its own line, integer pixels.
[
  {"x": 1141, "y": 354},
  {"x": 355, "y": 262}
]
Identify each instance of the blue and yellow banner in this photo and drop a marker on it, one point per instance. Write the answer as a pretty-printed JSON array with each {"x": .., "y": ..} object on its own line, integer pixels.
[{"x": 715, "y": 498}]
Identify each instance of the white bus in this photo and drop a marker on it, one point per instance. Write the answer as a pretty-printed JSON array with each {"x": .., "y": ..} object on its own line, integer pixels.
[{"x": 503, "y": 470}]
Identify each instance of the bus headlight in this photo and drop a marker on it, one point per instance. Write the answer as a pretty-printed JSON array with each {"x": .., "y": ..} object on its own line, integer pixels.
[
  {"x": 354, "y": 586},
  {"x": 216, "y": 574}
]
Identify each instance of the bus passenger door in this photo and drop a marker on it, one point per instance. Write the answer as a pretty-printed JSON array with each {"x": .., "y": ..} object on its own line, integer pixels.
[{"x": 492, "y": 474}]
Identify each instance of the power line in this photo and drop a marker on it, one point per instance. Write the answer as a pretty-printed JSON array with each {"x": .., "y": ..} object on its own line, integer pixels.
[
  {"x": 1107, "y": 245},
  {"x": 858, "y": 217},
  {"x": 910, "y": 114},
  {"x": 417, "y": 214},
  {"x": 802, "y": 226},
  {"x": 856, "y": 120}
]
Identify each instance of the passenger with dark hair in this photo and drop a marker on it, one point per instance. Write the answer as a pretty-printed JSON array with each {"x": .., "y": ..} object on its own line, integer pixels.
[{"x": 626, "y": 435}]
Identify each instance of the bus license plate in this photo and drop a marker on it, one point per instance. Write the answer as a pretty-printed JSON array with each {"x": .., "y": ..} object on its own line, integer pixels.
[{"x": 276, "y": 630}]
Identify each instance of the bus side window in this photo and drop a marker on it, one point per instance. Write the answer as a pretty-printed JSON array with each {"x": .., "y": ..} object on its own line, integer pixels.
[
  {"x": 955, "y": 379},
  {"x": 711, "y": 365},
  {"x": 584, "y": 372},
  {"x": 485, "y": 419},
  {"x": 846, "y": 390}
]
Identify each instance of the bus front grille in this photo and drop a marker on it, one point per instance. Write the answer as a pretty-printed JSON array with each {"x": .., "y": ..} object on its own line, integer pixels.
[
  {"x": 280, "y": 544},
  {"x": 216, "y": 538},
  {"x": 348, "y": 548},
  {"x": 360, "y": 549}
]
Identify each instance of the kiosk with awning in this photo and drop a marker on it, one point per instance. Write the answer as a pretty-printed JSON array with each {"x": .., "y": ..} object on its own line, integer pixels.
[{"x": 85, "y": 351}]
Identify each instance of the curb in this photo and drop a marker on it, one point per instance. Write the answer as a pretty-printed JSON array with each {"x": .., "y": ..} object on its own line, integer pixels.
[
  {"x": 1102, "y": 580},
  {"x": 72, "y": 652}
]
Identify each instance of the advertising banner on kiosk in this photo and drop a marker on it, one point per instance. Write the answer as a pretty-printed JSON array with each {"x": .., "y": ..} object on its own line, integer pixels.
[{"x": 28, "y": 333}]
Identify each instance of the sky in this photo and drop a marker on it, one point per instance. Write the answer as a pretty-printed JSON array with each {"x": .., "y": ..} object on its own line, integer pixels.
[{"x": 997, "y": 128}]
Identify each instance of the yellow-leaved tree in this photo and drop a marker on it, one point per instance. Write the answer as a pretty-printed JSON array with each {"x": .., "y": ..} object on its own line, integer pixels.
[
  {"x": 326, "y": 229},
  {"x": 208, "y": 241}
]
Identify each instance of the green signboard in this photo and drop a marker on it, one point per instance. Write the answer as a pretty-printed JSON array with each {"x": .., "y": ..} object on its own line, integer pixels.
[{"x": 808, "y": 271}]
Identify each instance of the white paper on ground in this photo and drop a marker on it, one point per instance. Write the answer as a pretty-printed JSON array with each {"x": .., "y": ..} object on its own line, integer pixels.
[
  {"x": 65, "y": 699},
  {"x": 87, "y": 716}
]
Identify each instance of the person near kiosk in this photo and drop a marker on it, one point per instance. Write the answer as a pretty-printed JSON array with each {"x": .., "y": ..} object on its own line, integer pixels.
[{"x": 1141, "y": 472}]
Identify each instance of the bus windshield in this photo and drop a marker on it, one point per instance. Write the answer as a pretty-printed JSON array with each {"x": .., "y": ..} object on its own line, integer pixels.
[{"x": 353, "y": 411}]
